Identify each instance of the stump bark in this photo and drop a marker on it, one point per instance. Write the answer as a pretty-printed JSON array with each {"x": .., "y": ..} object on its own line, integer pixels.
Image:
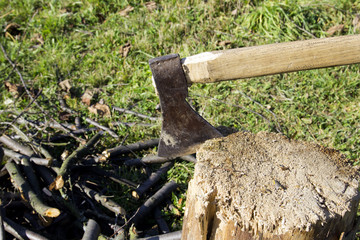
[{"x": 264, "y": 186}]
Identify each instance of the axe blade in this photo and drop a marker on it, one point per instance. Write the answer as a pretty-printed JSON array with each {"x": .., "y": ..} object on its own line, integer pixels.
[{"x": 183, "y": 129}]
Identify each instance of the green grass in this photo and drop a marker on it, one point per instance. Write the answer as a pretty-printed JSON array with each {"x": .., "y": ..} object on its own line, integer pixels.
[{"x": 81, "y": 41}]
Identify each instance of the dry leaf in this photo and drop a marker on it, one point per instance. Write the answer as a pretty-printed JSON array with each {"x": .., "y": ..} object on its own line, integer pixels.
[
  {"x": 64, "y": 116},
  {"x": 125, "y": 49},
  {"x": 151, "y": 6},
  {"x": 223, "y": 43},
  {"x": 15, "y": 89},
  {"x": 334, "y": 29},
  {"x": 234, "y": 12},
  {"x": 100, "y": 109},
  {"x": 125, "y": 12},
  {"x": 87, "y": 97},
  {"x": 65, "y": 85},
  {"x": 356, "y": 22}
]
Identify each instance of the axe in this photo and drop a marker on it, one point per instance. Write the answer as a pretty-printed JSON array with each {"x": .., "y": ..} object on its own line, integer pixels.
[{"x": 183, "y": 129}]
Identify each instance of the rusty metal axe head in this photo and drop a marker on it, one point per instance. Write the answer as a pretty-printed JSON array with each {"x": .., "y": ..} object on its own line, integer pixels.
[{"x": 183, "y": 129}]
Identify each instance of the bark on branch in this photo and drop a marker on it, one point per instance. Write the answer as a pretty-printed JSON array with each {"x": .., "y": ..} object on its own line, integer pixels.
[
  {"x": 28, "y": 193},
  {"x": 78, "y": 153},
  {"x": 103, "y": 200},
  {"x": 154, "y": 178},
  {"x": 130, "y": 148}
]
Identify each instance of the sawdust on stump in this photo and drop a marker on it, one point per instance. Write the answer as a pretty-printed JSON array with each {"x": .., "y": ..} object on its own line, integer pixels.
[{"x": 264, "y": 186}]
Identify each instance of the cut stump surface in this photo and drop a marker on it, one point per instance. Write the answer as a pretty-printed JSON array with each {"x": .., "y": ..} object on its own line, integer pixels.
[{"x": 264, "y": 186}]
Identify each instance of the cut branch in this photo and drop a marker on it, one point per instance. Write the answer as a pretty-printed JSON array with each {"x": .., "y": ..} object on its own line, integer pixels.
[
  {"x": 153, "y": 201},
  {"x": 78, "y": 153},
  {"x": 20, "y": 157},
  {"x": 154, "y": 178},
  {"x": 103, "y": 200},
  {"x": 2, "y": 230},
  {"x": 168, "y": 236},
  {"x": 25, "y": 138},
  {"x": 92, "y": 231},
  {"x": 153, "y": 159},
  {"x": 25, "y": 189},
  {"x": 163, "y": 227},
  {"x": 21, "y": 232},
  {"x": 130, "y": 148},
  {"x": 31, "y": 177},
  {"x": 16, "y": 146}
]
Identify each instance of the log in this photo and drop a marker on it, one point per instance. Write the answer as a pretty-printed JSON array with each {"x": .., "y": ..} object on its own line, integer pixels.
[{"x": 265, "y": 186}]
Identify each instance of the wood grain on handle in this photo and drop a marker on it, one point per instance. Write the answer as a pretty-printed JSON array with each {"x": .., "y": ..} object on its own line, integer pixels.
[{"x": 272, "y": 59}]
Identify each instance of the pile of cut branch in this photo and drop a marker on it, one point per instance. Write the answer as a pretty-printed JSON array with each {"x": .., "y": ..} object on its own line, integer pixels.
[{"x": 47, "y": 198}]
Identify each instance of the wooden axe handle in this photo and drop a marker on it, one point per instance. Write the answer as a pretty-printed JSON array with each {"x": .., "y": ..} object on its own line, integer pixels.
[{"x": 271, "y": 59}]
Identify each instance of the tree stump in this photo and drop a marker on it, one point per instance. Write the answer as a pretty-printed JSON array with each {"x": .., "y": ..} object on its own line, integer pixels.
[{"x": 264, "y": 186}]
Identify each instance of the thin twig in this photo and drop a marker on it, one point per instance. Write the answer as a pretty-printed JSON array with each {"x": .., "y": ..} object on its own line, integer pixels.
[
  {"x": 96, "y": 124},
  {"x": 22, "y": 112},
  {"x": 132, "y": 124},
  {"x": 123, "y": 110},
  {"x": 20, "y": 76},
  {"x": 278, "y": 127},
  {"x": 303, "y": 29}
]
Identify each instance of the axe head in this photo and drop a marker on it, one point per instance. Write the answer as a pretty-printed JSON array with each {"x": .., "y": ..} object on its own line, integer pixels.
[{"x": 183, "y": 129}]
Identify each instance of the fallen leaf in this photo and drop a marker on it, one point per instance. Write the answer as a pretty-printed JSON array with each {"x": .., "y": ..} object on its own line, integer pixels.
[
  {"x": 100, "y": 109},
  {"x": 64, "y": 116},
  {"x": 15, "y": 89},
  {"x": 65, "y": 85},
  {"x": 124, "y": 12},
  {"x": 125, "y": 49},
  {"x": 151, "y": 6},
  {"x": 356, "y": 22},
  {"x": 87, "y": 97},
  {"x": 234, "y": 12},
  {"x": 223, "y": 43},
  {"x": 334, "y": 29}
]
